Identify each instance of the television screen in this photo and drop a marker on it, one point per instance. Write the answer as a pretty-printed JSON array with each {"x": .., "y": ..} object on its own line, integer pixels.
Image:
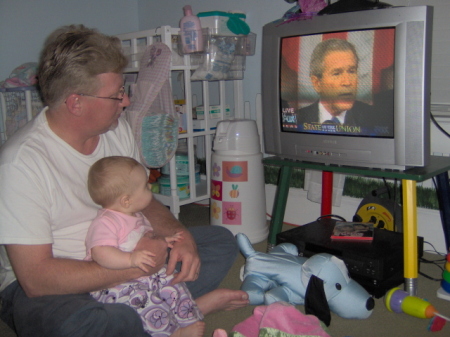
[
  {"x": 349, "y": 88},
  {"x": 340, "y": 83}
]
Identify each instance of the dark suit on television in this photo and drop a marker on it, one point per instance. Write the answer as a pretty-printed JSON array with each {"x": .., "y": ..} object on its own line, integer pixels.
[{"x": 361, "y": 114}]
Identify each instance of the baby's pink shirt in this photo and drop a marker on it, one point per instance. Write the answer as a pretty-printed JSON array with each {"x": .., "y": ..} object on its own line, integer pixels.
[{"x": 116, "y": 229}]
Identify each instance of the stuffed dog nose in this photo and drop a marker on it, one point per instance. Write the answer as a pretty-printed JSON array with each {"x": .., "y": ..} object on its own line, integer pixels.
[{"x": 370, "y": 304}]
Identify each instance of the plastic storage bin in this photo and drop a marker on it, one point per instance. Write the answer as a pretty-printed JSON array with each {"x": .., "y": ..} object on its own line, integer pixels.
[
  {"x": 224, "y": 23},
  {"x": 227, "y": 41},
  {"x": 182, "y": 168},
  {"x": 224, "y": 57},
  {"x": 183, "y": 188},
  {"x": 181, "y": 165}
]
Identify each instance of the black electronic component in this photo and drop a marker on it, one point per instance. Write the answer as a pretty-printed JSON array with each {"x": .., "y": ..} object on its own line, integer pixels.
[{"x": 376, "y": 265}]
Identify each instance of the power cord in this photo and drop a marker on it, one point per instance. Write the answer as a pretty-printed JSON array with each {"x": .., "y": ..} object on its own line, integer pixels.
[
  {"x": 438, "y": 125},
  {"x": 433, "y": 262},
  {"x": 333, "y": 216}
]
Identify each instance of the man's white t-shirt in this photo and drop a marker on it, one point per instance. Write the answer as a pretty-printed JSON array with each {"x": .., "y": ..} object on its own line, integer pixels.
[{"x": 43, "y": 189}]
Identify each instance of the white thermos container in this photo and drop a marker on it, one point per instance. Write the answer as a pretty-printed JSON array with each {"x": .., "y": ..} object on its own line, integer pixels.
[{"x": 238, "y": 200}]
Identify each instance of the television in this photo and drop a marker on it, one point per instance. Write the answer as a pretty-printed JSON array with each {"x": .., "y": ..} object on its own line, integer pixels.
[{"x": 380, "y": 93}]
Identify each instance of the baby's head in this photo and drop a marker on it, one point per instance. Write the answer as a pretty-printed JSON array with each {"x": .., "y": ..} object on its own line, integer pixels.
[{"x": 120, "y": 183}]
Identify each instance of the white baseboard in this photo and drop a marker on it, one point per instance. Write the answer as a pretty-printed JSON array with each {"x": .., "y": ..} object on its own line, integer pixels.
[{"x": 300, "y": 211}]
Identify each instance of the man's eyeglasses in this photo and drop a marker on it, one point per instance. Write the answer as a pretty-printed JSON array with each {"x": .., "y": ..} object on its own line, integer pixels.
[{"x": 120, "y": 98}]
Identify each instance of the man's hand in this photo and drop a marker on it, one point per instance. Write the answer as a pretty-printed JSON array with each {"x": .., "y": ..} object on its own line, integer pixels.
[
  {"x": 184, "y": 251},
  {"x": 174, "y": 238}
]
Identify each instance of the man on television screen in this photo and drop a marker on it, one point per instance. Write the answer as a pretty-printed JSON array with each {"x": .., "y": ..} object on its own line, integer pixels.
[{"x": 334, "y": 76}]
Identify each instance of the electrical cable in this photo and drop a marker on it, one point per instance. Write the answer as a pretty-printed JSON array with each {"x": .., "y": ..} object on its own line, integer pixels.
[
  {"x": 334, "y": 216},
  {"x": 439, "y": 126},
  {"x": 433, "y": 262}
]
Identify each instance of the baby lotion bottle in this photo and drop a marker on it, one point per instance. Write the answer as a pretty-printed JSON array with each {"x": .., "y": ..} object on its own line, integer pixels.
[{"x": 191, "y": 32}]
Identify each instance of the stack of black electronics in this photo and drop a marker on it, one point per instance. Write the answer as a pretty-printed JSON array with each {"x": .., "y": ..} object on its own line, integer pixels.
[{"x": 377, "y": 265}]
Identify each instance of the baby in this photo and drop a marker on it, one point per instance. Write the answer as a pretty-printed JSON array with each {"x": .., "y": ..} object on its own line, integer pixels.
[{"x": 120, "y": 186}]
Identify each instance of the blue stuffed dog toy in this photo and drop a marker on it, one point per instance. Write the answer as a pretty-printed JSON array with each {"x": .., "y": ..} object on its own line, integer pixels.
[{"x": 320, "y": 282}]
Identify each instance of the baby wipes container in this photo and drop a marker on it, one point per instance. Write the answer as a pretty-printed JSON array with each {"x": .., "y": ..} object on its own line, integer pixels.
[
  {"x": 224, "y": 23},
  {"x": 238, "y": 199},
  {"x": 181, "y": 165},
  {"x": 183, "y": 188}
]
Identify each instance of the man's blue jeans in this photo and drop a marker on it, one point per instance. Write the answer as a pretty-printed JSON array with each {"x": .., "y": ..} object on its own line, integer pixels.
[{"x": 80, "y": 315}]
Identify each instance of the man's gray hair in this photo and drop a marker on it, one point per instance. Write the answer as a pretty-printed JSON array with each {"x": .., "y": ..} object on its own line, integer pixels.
[{"x": 71, "y": 59}]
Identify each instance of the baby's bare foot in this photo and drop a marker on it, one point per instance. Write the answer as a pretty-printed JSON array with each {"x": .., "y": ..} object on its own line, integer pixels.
[
  {"x": 196, "y": 329},
  {"x": 222, "y": 299},
  {"x": 220, "y": 333}
]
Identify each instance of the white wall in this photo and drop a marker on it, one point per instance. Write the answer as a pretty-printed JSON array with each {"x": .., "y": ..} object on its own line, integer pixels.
[
  {"x": 24, "y": 24},
  {"x": 440, "y": 72}
]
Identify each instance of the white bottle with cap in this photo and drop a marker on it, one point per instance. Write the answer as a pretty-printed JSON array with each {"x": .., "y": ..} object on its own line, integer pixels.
[{"x": 191, "y": 32}]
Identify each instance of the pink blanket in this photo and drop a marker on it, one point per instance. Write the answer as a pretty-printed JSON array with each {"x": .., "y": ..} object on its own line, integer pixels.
[{"x": 275, "y": 318}]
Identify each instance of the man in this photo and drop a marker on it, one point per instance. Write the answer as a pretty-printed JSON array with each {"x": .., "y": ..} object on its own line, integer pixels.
[
  {"x": 45, "y": 208},
  {"x": 334, "y": 75}
]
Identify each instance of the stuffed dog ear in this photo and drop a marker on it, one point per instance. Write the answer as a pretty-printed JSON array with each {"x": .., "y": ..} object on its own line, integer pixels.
[{"x": 316, "y": 302}]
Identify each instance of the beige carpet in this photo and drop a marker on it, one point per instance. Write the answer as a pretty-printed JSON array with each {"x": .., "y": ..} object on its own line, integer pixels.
[{"x": 381, "y": 323}]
